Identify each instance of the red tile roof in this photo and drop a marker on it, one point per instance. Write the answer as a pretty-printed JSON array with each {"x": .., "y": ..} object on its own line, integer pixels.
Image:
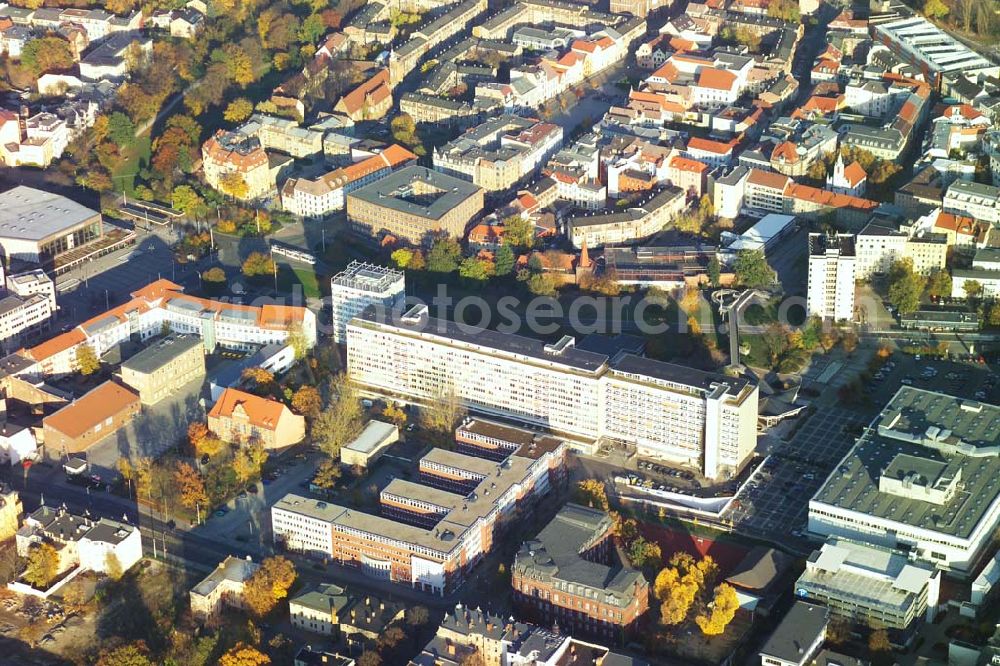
[
  {"x": 261, "y": 412},
  {"x": 854, "y": 174},
  {"x": 716, "y": 79},
  {"x": 710, "y": 146},
  {"x": 100, "y": 404}
]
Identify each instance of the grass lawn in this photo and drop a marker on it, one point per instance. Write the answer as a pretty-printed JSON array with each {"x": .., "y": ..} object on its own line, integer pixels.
[
  {"x": 289, "y": 276},
  {"x": 136, "y": 157}
]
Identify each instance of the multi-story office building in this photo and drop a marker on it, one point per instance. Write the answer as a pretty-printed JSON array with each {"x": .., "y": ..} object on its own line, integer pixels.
[
  {"x": 831, "y": 277},
  {"x": 414, "y": 205},
  {"x": 666, "y": 411},
  {"x": 162, "y": 302},
  {"x": 872, "y": 586},
  {"x": 165, "y": 366},
  {"x": 571, "y": 574},
  {"x": 925, "y": 477},
  {"x": 359, "y": 286},
  {"x": 429, "y": 534}
]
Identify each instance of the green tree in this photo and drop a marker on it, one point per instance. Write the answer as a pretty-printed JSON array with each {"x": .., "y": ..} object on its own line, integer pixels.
[
  {"x": 905, "y": 286},
  {"x": 444, "y": 255},
  {"x": 121, "y": 129},
  {"x": 752, "y": 270},
  {"x": 86, "y": 360},
  {"x": 402, "y": 257},
  {"x": 714, "y": 271},
  {"x": 503, "y": 262},
  {"x": 939, "y": 283},
  {"x": 519, "y": 232},
  {"x": 43, "y": 565},
  {"x": 973, "y": 289},
  {"x": 542, "y": 284},
  {"x": 474, "y": 269}
]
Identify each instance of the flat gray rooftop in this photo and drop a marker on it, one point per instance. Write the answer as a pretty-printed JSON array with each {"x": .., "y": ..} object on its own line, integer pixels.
[
  {"x": 915, "y": 415},
  {"x": 34, "y": 215},
  {"x": 161, "y": 352},
  {"x": 419, "y": 191}
]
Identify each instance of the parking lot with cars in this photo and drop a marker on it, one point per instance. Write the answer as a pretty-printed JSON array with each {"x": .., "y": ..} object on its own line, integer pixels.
[{"x": 774, "y": 503}]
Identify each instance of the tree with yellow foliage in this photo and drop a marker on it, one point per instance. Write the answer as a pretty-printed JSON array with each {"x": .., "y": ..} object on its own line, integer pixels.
[
  {"x": 307, "y": 401},
  {"x": 244, "y": 655},
  {"x": 591, "y": 492},
  {"x": 233, "y": 184},
  {"x": 394, "y": 414},
  {"x": 723, "y": 609},
  {"x": 269, "y": 585},
  {"x": 191, "y": 485},
  {"x": 680, "y": 583}
]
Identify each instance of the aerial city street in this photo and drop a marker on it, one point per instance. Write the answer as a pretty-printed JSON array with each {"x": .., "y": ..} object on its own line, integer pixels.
[{"x": 500, "y": 333}]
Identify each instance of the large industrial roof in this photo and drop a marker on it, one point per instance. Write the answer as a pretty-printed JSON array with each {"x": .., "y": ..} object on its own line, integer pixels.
[{"x": 30, "y": 214}]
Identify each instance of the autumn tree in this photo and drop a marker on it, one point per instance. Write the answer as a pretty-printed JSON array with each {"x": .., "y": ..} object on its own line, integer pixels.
[
  {"x": 394, "y": 415},
  {"x": 143, "y": 476},
  {"x": 721, "y": 612},
  {"x": 214, "y": 275},
  {"x": 592, "y": 493},
  {"x": 327, "y": 475},
  {"x": 43, "y": 565},
  {"x": 878, "y": 641},
  {"x": 268, "y": 585},
  {"x": 935, "y": 9},
  {"x": 130, "y": 654},
  {"x": 262, "y": 379},
  {"x": 244, "y": 655},
  {"x": 47, "y": 54},
  {"x": 233, "y": 184},
  {"x": 257, "y": 264},
  {"x": 190, "y": 485},
  {"x": 238, "y": 110},
  {"x": 340, "y": 422},
  {"x": 86, "y": 360},
  {"x": 249, "y": 460},
  {"x": 126, "y": 470},
  {"x": 680, "y": 583},
  {"x": 444, "y": 413},
  {"x": 973, "y": 289},
  {"x": 187, "y": 201},
  {"x": 307, "y": 401},
  {"x": 113, "y": 566}
]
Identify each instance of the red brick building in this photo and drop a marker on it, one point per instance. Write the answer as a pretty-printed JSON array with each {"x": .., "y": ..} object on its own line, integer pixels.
[{"x": 571, "y": 575}]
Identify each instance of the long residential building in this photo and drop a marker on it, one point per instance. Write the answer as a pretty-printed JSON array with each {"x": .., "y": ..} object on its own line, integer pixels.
[
  {"x": 702, "y": 419},
  {"x": 627, "y": 226},
  {"x": 429, "y": 534},
  {"x": 162, "y": 303},
  {"x": 924, "y": 477},
  {"x": 316, "y": 198}
]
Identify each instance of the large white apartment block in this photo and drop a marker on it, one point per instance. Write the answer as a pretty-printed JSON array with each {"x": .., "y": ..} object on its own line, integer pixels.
[
  {"x": 975, "y": 200},
  {"x": 359, "y": 286},
  {"x": 924, "y": 477},
  {"x": 163, "y": 303},
  {"x": 665, "y": 411},
  {"x": 831, "y": 277}
]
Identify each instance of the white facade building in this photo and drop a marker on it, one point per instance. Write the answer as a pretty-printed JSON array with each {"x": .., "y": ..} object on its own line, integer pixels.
[
  {"x": 666, "y": 411},
  {"x": 360, "y": 285},
  {"x": 831, "y": 277}
]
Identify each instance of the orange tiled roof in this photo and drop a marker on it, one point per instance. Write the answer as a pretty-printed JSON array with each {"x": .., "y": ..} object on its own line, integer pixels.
[
  {"x": 854, "y": 174},
  {"x": 957, "y": 223},
  {"x": 686, "y": 164},
  {"x": 770, "y": 179},
  {"x": 716, "y": 79},
  {"x": 374, "y": 91},
  {"x": 827, "y": 198},
  {"x": 95, "y": 407},
  {"x": 710, "y": 146},
  {"x": 261, "y": 412}
]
